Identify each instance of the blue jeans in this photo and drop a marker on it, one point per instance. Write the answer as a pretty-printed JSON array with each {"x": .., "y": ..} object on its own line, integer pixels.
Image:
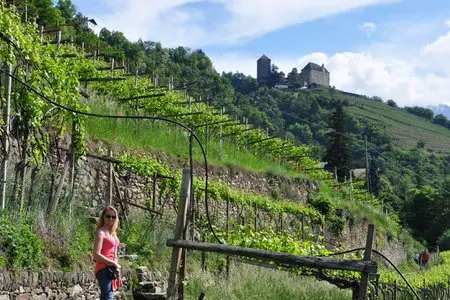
[{"x": 106, "y": 291}]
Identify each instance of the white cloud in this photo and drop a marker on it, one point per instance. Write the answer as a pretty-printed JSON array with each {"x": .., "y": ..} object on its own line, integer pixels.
[
  {"x": 234, "y": 62},
  {"x": 163, "y": 20},
  {"x": 422, "y": 80},
  {"x": 368, "y": 28},
  {"x": 436, "y": 55},
  {"x": 447, "y": 23}
]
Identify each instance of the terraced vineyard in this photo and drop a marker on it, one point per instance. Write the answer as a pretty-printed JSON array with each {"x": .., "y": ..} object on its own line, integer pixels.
[{"x": 405, "y": 128}]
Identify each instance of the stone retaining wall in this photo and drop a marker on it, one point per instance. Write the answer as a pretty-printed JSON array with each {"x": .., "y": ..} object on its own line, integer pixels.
[{"x": 45, "y": 285}]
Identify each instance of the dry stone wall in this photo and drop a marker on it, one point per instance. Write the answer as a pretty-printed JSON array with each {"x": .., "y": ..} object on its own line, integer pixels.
[
  {"x": 91, "y": 182},
  {"x": 43, "y": 285}
]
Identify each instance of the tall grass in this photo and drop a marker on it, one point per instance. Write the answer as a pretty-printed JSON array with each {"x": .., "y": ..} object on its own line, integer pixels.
[
  {"x": 156, "y": 135},
  {"x": 251, "y": 282}
]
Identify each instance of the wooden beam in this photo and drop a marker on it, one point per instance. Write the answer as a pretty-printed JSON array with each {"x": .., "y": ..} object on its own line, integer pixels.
[
  {"x": 96, "y": 156},
  {"x": 141, "y": 207},
  {"x": 142, "y": 97},
  {"x": 261, "y": 140},
  {"x": 109, "y": 68},
  {"x": 101, "y": 79},
  {"x": 179, "y": 229},
  {"x": 280, "y": 257}
]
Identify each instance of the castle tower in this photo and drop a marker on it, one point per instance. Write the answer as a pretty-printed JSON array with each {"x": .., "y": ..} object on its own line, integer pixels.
[{"x": 263, "y": 69}]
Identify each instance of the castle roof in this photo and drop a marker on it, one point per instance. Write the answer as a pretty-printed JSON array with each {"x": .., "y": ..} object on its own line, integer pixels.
[
  {"x": 263, "y": 57},
  {"x": 315, "y": 67}
]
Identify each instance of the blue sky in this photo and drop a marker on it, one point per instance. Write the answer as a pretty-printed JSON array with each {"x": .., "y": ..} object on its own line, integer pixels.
[{"x": 396, "y": 49}]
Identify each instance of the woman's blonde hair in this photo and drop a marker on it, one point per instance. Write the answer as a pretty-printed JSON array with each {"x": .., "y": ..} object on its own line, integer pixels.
[{"x": 101, "y": 220}]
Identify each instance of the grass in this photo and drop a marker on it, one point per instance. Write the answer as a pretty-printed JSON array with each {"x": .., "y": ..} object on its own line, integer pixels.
[
  {"x": 405, "y": 128},
  {"x": 251, "y": 282},
  {"x": 155, "y": 135}
]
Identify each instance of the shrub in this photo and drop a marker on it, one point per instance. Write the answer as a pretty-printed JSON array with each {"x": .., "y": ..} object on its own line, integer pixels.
[
  {"x": 68, "y": 241},
  {"x": 336, "y": 224},
  {"x": 323, "y": 203},
  {"x": 392, "y": 103},
  {"x": 444, "y": 240},
  {"x": 20, "y": 245}
]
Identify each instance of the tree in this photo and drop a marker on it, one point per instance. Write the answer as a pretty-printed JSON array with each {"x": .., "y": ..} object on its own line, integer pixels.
[
  {"x": 68, "y": 10},
  {"x": 302, "y": 132},
  {"x": 275, "y": 76},
  {"x": 47, "y": 15},
  {"x": 293, "y": 77},
  {"x": 421, "y": 112},
  {"x": 427, "y": 213},
  {"x": 392, "y": 103},
  {"x": 242, "y": 83},
  {"x": 374, "y": 177},
  {"x": 339, "y": 152},
  {"x": 442, "y": 120}
]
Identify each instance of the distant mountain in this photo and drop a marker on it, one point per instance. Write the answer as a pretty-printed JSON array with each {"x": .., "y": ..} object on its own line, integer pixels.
[{"x": 441, "y": 109}]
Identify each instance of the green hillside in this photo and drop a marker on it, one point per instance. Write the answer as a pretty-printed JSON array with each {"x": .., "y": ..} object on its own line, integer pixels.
[{"x": 405, "y": 129}]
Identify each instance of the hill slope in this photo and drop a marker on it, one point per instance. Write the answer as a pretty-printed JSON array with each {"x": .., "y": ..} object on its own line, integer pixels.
[{"x": 405, "y": 129}]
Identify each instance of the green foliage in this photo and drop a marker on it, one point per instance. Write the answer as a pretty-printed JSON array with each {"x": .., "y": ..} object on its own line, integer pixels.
[
  {"x": 144, "y": 165},
  {"x": 392, "y": 103},
  {"x": 20, "y": 247},
  {"x": 339, "y": 152},
  {"x": 284, "y": 241},
  {"x": 421, "y": 112},
  {"x": 47, "y": 73},
  {"x": 444, "y": 240},
  {"x": 435, "y": 274},
  {"x": 145, "y": 236},
  {"x": 323, "y": 203},
  {"x": 222, "y": 192},
  {"x": 67, "y": 241},
  {"x": 137, "y": 240},
  {"x": 336, "y": 224},
  {"x": 81, "y": 242},
  {"x": 426, "y": 213}
]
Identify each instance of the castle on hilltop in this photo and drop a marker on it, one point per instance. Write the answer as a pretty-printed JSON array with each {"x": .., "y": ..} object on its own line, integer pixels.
[{"x": 312, "y": 74}]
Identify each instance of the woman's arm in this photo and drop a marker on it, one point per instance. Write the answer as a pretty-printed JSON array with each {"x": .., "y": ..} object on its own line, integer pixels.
[{"x": 97, "y": 250}]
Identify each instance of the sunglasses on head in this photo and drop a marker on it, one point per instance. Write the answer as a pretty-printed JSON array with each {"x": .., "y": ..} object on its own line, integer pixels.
[{"x": 110, "y": 217}]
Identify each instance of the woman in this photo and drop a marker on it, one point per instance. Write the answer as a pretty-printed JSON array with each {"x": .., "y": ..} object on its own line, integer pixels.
[{"x": 105, "y": 252}]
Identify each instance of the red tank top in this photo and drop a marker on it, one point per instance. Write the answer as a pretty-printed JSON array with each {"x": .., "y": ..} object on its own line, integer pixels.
[{"x": 109, "y": 249}]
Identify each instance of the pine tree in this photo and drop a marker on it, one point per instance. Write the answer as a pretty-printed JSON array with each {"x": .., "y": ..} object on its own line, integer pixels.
[{"x": 339, "y": 152}]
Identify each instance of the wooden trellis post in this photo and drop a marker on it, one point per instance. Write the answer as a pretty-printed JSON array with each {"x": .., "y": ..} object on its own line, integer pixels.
[
  {"x": 72, "y": 167},
  {"x": 110, "y": 179},
  {"x": 362, "y": 293},
  {"x": 154, "y": 190},
  {"x": 179, "y": 229},
  {"x": 303, "y": 226},
  {"x": 351, "y": 186},
  {"x": 5, "y": 137},
  {"x": 227, "y": 229},
  {"x": 58, "y": 39},
  {"x": 41, "y": 35},
  {"x": 255, "y": 208}
]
